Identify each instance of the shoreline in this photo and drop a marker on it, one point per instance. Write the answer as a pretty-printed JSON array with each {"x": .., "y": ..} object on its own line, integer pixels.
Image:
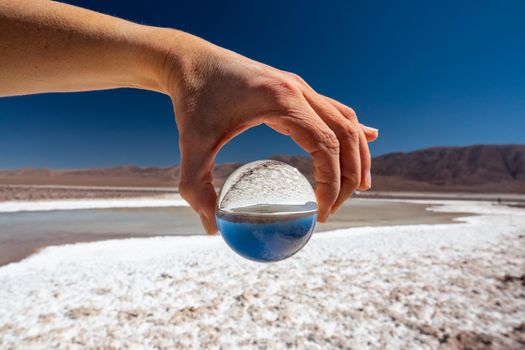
[
  {"x": 98, "y": 220},
  {"x": 29, "y": 193}
]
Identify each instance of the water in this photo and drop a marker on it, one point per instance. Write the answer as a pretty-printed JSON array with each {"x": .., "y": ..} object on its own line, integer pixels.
[
  {"x": 23, "y": 233},
  {"x": 266, "y": 233}
]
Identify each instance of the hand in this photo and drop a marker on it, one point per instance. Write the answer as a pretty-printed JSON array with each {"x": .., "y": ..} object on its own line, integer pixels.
[{"x": 218, "y": 94}]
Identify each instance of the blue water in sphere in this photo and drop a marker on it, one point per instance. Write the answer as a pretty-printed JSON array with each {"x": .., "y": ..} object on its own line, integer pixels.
[
  {"x": 266, "y": 237},
  {"x": 266, "y": 211}
]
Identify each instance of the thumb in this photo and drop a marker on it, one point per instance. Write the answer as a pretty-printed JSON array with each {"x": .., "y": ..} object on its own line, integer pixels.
[{"x": 196, "y": 187}]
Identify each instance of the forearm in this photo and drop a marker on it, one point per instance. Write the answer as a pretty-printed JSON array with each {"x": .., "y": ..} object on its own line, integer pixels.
[{"x": 47, "y": 46}]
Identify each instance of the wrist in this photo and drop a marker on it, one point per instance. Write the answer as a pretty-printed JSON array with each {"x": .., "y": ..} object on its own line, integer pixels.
[{"x": 162, "y": 55}]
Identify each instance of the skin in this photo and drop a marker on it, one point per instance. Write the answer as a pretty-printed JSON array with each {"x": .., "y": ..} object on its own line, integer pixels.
[{"x": 52, "y": 47}]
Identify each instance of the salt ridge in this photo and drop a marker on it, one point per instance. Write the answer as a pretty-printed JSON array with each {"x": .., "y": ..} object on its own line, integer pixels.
[{"x": 76, "y": 204}]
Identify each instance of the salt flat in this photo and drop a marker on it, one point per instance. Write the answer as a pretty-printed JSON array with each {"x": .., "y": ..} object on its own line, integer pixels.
[
  {"x": 419, "y": 286},
  {"x": 172, "y": 200}
]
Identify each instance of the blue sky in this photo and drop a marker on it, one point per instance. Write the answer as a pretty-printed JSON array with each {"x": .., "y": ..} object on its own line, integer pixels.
[{"x": 441, "y": 73}]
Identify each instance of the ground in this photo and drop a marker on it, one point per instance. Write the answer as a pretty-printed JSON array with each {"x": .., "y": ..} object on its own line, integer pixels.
[{"x": 422, "y": 286}]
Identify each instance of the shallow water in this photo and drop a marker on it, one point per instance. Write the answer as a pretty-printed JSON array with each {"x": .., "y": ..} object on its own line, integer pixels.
[{"x": 23, "y": 233}]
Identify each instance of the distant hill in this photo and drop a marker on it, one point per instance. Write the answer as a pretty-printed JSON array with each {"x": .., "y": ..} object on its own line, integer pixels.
[
  {"x": 482, "y": 169},
  {"x": 125, "y": 176}
]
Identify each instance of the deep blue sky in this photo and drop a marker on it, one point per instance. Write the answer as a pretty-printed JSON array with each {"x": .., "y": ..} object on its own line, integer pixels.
[{"x": 424, "y": 73}]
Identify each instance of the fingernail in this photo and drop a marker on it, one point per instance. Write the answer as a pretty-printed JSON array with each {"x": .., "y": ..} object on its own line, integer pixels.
[{"x": 369, "y": 180}]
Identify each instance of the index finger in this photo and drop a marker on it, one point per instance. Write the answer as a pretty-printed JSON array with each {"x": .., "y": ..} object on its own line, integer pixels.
[{"x": 310, "y": 132}]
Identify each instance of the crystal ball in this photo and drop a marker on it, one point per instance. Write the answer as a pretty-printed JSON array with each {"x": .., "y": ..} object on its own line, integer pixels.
[{"x": 266, "y": 211}]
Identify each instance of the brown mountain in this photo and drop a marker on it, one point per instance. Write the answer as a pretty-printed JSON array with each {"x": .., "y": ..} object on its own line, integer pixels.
[{"x": 483, "y": 168}]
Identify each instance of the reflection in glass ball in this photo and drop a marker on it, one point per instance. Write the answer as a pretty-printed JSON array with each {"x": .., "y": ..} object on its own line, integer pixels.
[{"x": 266, "y": 211}]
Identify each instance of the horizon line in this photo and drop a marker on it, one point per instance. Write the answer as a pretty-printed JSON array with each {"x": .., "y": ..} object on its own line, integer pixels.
[{"x": 243, "y": 162}]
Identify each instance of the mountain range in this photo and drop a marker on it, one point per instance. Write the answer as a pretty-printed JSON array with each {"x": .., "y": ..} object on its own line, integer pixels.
[{"x": 477, "y": 169}]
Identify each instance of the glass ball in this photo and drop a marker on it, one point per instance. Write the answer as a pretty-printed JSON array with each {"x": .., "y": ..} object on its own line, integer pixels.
[{"x": 266, "y": 211}]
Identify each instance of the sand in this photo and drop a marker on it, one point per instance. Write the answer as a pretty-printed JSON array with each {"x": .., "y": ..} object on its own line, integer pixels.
[{"x": 420, "y": 286}]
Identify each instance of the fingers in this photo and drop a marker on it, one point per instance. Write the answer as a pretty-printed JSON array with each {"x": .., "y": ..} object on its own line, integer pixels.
[
  {"x": 349, "y": 134},
  {"x": 366, "y": 163},
  {"x": 348, "y": 187},
  {"x": 371, "y": 134},
  {"x": 195, "y": 182},
  {"x": 365, "y": 135},
  {"x": 353, "y": 137},
  {"x": 364, "y": 151},
  {"x": 315, "y": 137}
]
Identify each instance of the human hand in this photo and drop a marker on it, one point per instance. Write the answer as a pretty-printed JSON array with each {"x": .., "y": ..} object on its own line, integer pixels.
[{"x": 218, "y": 94}]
